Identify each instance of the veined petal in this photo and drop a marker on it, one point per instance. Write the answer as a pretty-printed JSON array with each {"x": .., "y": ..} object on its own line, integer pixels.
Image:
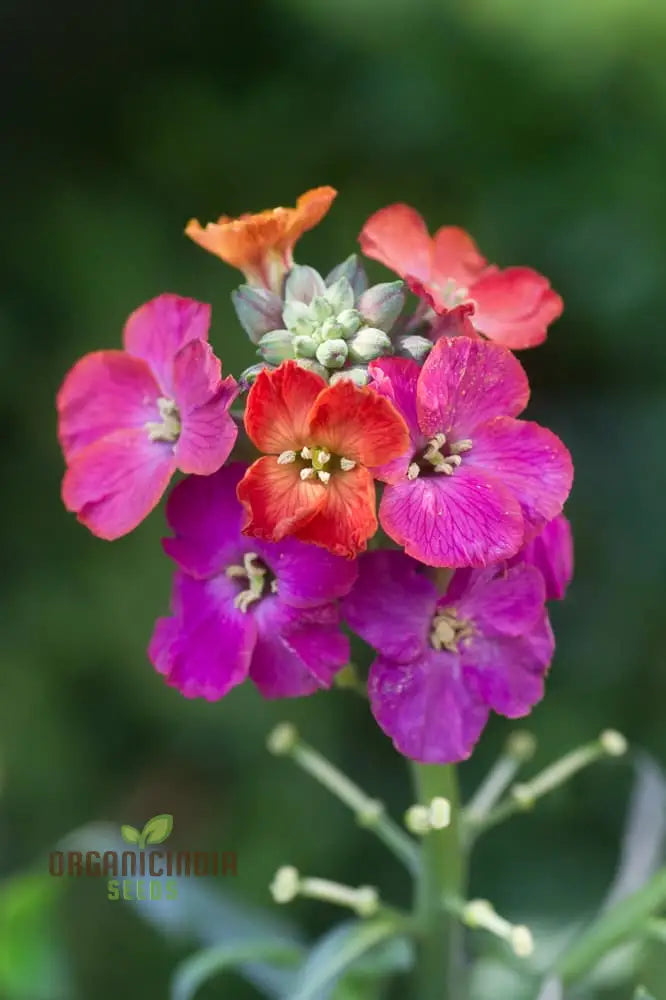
[
  {"x": 307, "y": 575},
  {"x": 426, "y": 708},
  {"x": 104, "y": 392},
  {"x": 467, "y": 519},
  {"x": 530, "y": 461},
  {"x": 397, "y": 237},
  {"x": 358, "y": 424},
  {"x": 551, "y": 551},
  {"x": 276, "y": 500},
  {"x": 346, "y": 520},
  {"x": 455, "y": 256},
  {"x": 397, "y": 380},
  {"x": 113, "y": 484},
  {"x": 157, "y": 330},
  {"x": 278, "y": 406},
  {"x": 208, "y": 432},
  {"x": 465, "y": 383},
  {"x": 514, "y": 307},
  {"x": 500, "y": 601}
]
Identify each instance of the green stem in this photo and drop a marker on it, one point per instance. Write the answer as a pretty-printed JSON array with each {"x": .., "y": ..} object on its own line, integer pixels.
[{"x": 443, "y": 874}]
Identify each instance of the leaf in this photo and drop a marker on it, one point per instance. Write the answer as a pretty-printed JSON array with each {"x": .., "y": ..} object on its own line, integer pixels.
[
  {"x": 198, "y": 968},
  {"x": 130, "y": 834},
  {"x": 32, "y": 963},
  {"x": 157, "y": 829},
  {"x": 337, "y": 952}
]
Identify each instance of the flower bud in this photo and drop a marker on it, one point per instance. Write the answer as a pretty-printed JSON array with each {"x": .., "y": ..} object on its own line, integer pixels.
[
  {"x": 332, "y": 353},
  {"x": 359, "y": 376},
  {"x": 368, "y": 344},
  {"x": 340, "y": 295},
  {"x": 349, "y": 321},
  {"x": 276, "y": 346},
  {"x": 248, "y": 376},
  {"x": 258, "y": 309},
  {"x": 311, "y": 365},
  {"x": 352, "y": 270},
  {"x": 414, "y": 347},
  {"x": 330, "y": 329},
  {"x": 321, "y": 310},
  {"x": 297, "y": 318},
  {"x": 382, "y": 304},
  {"x": 285, "y": 884},
  {"x": 302, "y": 284},
  {"x": 304, "y": 347}
]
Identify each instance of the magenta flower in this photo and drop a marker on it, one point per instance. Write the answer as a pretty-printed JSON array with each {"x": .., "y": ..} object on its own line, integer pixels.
[
  {"x": 128, "y": 419},
  {"x": 476, "y": 484},
  {"x": 551, "y": 551},
  {"x": 445, "y": 661},
  {"x": 244, "y": 607}
]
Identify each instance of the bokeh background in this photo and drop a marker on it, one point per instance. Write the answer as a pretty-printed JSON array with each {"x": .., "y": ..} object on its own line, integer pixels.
[{"x": 540, "y": 128}]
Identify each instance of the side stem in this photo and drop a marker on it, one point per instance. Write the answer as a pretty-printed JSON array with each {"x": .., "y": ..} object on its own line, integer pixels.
[{"x": 440, "y": 973}]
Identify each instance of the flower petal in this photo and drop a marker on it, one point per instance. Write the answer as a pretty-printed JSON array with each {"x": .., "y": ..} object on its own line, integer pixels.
[
  {"x": 396, "y": 379},
  {"x": 113, "y": 484},
  {"x": 358, "y": 424},
  {"x": 514, "y": 307},
  {"x": 397, "y": 237},
  {"x": 392, "y": 605},
  {"x": 346, "y": 520},
  {"x": 157, "y": 331},
  {"x": 465, "y": 383},
  {"x": 499, "y": 601},
  {"x": 208, "y": 432},
  {"x": 278, "y": 405},
  {"x": 277, "y": 502},
  {"x": 456, "y": 257},
  {"x": 530, "y": 461},
  {"x": 307, "y": 575},
  {"x": 551, "y": 551},
  {"x": 205, "y": 515},
  {"x": 205, "y": 649},
  {"x": 467, "y": 519},
  {"x": 104, "y": 392},
  {"x": 426, "y": 708}
]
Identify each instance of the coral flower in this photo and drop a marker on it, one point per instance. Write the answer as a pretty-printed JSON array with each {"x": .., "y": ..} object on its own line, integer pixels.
[
  {"x": 445, "y": 661},
  {"x": 314, "y": 482},
  {"x": 128, "y": 419},
  {"x": 261, "y": 244},
  {"x": 513, "y": 306},
  {"x": 243, "y": 607},
  {"x": 476, "y": 484}
]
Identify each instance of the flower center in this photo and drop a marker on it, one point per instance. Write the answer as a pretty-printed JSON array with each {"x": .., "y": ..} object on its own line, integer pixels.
[
  {"x": 255, "y": 578},
  {"x": 316, "y": 463},
  {"x": 439, "y": 456},
  {"x": 169, "y": 427},
  {"x": 448, "y": 630}
]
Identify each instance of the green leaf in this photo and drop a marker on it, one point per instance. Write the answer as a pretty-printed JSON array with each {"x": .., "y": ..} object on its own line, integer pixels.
[
  {"x": 198, "y": 968},
  {"x": 615, "y": 925},
  {"x": 157, "y": 829},
  {"x": 32, "y": 963},
  {"x": 336, "y": 953},
  {"x": 130, "y": 834}
]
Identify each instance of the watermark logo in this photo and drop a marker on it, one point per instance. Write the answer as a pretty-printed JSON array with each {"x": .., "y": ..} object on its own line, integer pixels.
[{"x": 143, "y": 873}]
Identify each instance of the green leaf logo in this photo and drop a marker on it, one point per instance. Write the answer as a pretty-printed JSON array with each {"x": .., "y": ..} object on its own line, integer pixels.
[
  {"x": 157, "y": 829},
  {"x": 130, "y": 835}
]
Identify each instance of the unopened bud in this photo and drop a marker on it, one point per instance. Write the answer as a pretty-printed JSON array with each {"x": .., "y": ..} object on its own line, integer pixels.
[
  {"x": 368, "y": 344},
  {"x": 276, "y": 346},
  {"x": 382, "y": 304},
  {"x": 304, "y": 347},
  {"x": 439, "y": 813},
  {"x": 330, "y": 329},
  {"x": 302, "y": 284},
  {"x": 417, "y": 820},
  {"x": 521, "y": 941},
  {"x": 414, "y": 347},
  {"x": 285, "y": 884},
  {"x": 311, "y": 365},
  {"x": 613, "y": 743},
  {"x": 248, "y": 376},
  {"x": 340, "y": 295},
  {"x": 332, "y": 353},
  {"x": 521, "y": 746},
  {"x": 349, "y": 321},
  {"x": 352, "y": 270},
  {"x": 282, "y": 739},
  {"x": 297, "y": 318},
  {"x": 258, "y": 309},
  {"x": 359, "y": 376}
]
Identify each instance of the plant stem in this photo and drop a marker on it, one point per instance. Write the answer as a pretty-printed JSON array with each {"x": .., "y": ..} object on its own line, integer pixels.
[{"x": 440, "y": 971}]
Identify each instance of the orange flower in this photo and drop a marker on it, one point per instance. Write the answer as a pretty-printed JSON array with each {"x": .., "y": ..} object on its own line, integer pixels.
[{"x": 261, "y": 245}]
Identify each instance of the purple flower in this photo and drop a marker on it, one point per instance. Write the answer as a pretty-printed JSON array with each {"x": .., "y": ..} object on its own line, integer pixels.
[
  {"x": 244, "y": 607},
  {"x": 445, "y": 661},
  {"x": 552, "y": 553},
  {"x": 476, "y": 484}
]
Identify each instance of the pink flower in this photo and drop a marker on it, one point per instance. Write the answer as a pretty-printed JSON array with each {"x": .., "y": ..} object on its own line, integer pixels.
[
  {"x": 476, "y": 484},
  {"x": 128, "y": 419},
  {"x": 513, "y": 307},
  {"x": 551, "y": 551}
]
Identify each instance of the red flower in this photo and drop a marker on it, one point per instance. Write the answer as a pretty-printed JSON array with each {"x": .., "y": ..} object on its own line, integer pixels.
[
  {"x": 512, "y": 307},
  {"x": 314, "y": 482}
]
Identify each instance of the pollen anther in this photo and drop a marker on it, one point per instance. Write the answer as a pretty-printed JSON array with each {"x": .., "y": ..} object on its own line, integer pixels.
[
  {"x": 308, "y": 473},
  {"x": 286, "y": 457},
  {"x": 324, "y": 476},
  {"x": 347, "y": 464}
]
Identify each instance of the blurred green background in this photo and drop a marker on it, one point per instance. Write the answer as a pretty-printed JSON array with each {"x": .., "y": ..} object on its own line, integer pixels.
[{"x": 540, "y": 128}]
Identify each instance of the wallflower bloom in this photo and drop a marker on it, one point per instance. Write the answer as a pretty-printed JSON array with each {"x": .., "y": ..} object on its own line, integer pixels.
[
  {"x": 476, "y": 484},
  {"x": 551, "y": 551},
  {"x": 128, "y": 419},
  {"x": 261, "y": 244},
  {"x": 445, "y": 661},
  {"x": 242, "y": 607},
  {"x": 314, "y": 482},
  {"x": 513, "y": 306}
]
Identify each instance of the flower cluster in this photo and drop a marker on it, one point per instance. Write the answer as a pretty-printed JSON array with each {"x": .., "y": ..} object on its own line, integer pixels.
[{"x": 349, "y": 395}]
